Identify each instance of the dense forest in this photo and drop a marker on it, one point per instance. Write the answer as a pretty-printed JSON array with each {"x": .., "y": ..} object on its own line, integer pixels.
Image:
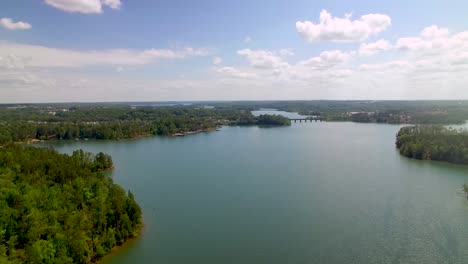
[
  {"x": 57, "y": 208},
  {"x": 273, "y": 120},
  {"x": 37, "y": 122},
  {"x": 265, "y": 120},
  {"x": 433, "y": 143}
]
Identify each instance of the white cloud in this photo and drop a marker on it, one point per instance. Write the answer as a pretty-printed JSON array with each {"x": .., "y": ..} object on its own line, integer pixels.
[
  {"x": 434, "y": 31},
  {"x": 400, "y": 65},
  {"x": 10, "y": 25},
  {"x": 83, "y": 6},
  {"x": 431, "y": 65},
  {"x": 435, "y": 44},
  {"x": 233, "y": 72},
  {"x": 369, "y": 49},
  {"x": 217, "y": 60},
  {"x": 286, "y": 52},
  {"x": 23, "y": 55},
  {"x": 342, "y": 29},
  {"x": 434, "y": 38},
  {"x": 114, "y": 4},
  {"x": 327, "y": 59},
  {"x": 262, "y": 58},
  {"x": 272, "y": 67}
]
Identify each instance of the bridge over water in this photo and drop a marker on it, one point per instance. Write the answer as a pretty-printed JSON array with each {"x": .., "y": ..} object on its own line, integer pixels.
[{"x": 305, "y": 119}]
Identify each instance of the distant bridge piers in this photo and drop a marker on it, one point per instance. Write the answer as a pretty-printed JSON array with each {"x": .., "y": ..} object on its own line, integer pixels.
[{"x": 305, "y": 119}]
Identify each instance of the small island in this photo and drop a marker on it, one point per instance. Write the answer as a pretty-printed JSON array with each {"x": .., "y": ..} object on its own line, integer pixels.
[
  {"x": 57, "y": 208},
  {"x": 265, "y": 120},
  {"x": 433, "y": 143}
]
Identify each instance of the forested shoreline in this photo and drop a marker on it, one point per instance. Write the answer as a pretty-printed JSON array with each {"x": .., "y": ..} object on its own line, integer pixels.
[
  {"x": 266, "y": 120},
  {"x": 57, "y": 208},
  {"x": 98, "y": 122},
  {"x": 433, "y": 143},
  {"x": 32, "y": 122}
]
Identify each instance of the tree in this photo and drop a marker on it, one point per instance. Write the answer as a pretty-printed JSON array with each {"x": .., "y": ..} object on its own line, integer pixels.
[{"x": 56, "y": 208}]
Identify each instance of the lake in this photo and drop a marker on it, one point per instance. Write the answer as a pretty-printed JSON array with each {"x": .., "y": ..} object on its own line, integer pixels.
[{"x": 319, "y": 192}]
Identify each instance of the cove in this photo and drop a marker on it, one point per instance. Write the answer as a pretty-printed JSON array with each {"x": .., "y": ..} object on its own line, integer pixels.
[{"x": 318, "y": 192}]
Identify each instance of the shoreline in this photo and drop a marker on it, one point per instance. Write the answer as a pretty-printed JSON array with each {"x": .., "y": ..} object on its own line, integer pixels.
[
  {"x": 116, "y": 249},
  {"x": 126, "y": 243},
  {"x": 193, "y": 132},
  {"x": 176, "y": 134}
]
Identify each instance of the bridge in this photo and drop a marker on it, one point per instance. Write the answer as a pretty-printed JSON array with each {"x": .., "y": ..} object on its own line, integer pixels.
[{"x": 305, "y": 119}]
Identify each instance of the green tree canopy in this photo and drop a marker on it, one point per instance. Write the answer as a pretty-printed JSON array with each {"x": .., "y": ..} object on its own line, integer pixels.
[{"x": 57, "y": 208}]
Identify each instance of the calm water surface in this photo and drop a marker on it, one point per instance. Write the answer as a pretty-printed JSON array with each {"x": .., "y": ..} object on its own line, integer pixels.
[{"x": 309, "y": 193}]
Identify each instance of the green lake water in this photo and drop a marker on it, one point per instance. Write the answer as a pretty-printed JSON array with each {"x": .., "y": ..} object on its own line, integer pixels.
[{"x": 310, "y": 193}]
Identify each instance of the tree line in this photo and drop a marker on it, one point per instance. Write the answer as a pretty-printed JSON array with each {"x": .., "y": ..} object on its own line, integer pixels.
[
  {"x": 264, "y": 120},
  {"x": 399, "y": 112},
  {"x": 97, "y": 122},
  {"x": 57, "y": 208},
  {"x": 433, "y": 143}
]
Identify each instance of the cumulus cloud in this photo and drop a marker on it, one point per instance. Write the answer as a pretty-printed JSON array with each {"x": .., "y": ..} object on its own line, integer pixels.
[
  {"x": 434, "y": 31},
  {"x": 263, "y": 59},
  {"x": 431, "y": 65},
  {"x": 233, "y": 72},
  {"x": 217, "y": 60},
  {"x": 286, "y": 52},
  {"x": 24, "y": 55},
  {"x": 273, "y": 66},
  {"x": 342, "y": 29},
  {"x": 437, "y": 45},
  {"x": 9, "y": 24},
  {"x": 433, "y": 38},
  {"x": 369, "y": 49},
  {"x": 327, "y": 59},
  {"x": 114, "y": 4},
  {"x": 400, "y": 65},
  {"x": 83, "y": 6}
]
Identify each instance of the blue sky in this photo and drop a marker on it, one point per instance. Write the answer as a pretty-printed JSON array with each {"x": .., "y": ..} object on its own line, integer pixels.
[{"x": 121, "y": 50}]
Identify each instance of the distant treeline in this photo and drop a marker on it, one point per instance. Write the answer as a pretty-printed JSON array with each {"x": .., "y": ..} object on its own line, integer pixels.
[
  {"x": 433, "y": 143},
  {"x": 398, "y": 112},
  {"x": 395, "y": 117},
  {"x": 112, "y": 122},
  {"x": 57, "y": 208}
]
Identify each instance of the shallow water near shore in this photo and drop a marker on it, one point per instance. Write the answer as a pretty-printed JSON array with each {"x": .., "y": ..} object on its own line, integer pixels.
[{"x": 311, "y": 193}]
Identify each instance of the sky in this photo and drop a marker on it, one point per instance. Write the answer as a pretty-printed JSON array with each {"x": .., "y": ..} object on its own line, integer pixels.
[{"x": 178, "y": 50}]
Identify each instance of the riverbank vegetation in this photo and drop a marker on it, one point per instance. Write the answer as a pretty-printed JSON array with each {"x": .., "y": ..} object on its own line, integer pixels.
[
  {"x": 37, "y": 122},
  {"x": 57, "y": 208},
  {"x": 433, "y": 143}
]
